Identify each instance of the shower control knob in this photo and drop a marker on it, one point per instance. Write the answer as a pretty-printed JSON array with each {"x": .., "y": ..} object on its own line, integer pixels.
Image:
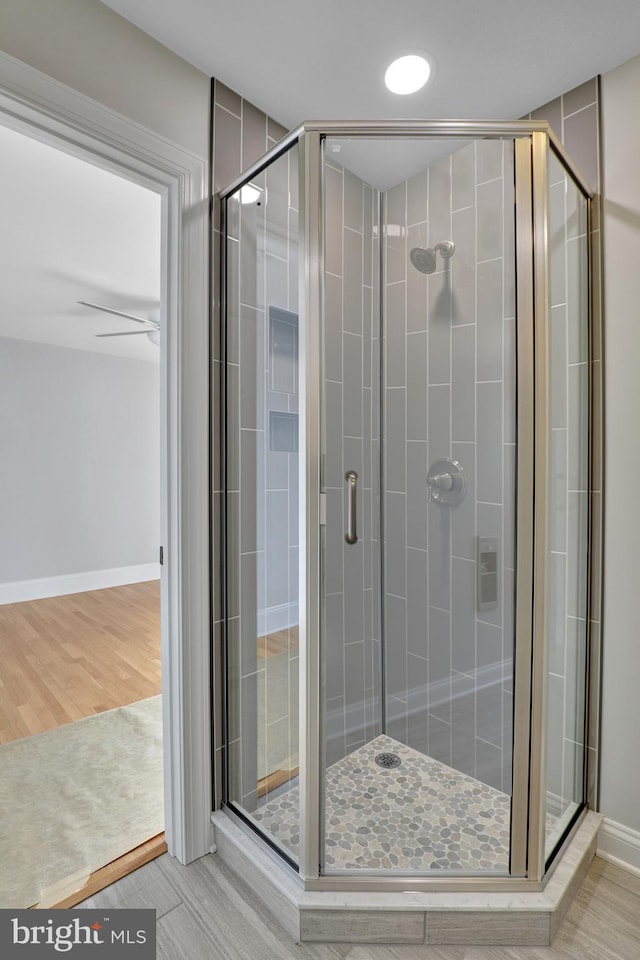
[{"x": 446, "y": 483}]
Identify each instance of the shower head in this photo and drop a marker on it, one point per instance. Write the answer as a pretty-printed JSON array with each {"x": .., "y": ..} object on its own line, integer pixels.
[{"x": 424, "y": 258}]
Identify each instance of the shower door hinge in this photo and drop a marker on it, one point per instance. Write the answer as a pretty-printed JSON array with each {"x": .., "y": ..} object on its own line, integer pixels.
[
  {"x": 161, "y": 557},
  {"x": 323, "y": 509}
]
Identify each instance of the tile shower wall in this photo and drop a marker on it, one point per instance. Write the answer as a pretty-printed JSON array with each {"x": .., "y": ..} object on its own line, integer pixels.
[
  {"x": 575, "y": 118},
  {"x": 350, "y": 442},
  {"x": 449, "y": 362},
  {"x": 240, "y": 134}
]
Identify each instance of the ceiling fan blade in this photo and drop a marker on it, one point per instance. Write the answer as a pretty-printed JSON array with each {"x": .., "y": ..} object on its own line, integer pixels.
[
  {"x": 127, "y": 333},
  {"x": 120, "y": 313}
]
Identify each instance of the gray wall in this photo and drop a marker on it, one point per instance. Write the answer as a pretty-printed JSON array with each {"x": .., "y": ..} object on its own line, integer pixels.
[
  {"x": 92, "y": 49},
  {"x": 80, "y": 478},
  {"x": 449, "y": 392},
  {"x": 620, "y": 788}
]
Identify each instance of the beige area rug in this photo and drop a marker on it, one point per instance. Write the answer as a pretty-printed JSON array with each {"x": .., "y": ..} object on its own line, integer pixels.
[{"x": 75, "y": 798}]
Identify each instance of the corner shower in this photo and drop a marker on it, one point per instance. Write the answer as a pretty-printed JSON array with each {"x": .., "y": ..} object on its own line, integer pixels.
[{"x": 406, "y": 402}]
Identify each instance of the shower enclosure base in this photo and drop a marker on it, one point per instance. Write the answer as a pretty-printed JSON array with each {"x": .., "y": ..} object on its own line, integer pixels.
[
  {"x": 419, "y": 815},
  {"x": 508, "y": 917}
]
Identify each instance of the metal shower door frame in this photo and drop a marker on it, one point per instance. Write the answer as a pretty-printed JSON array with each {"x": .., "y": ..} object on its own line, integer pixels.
[{"x": 532, "y": 140}]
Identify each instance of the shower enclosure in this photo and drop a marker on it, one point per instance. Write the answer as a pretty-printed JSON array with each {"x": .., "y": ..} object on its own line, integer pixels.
[{"x": 406, "y": 402}]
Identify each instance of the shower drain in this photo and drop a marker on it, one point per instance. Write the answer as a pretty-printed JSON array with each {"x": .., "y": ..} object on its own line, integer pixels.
[{"x": 388, "y": 760}]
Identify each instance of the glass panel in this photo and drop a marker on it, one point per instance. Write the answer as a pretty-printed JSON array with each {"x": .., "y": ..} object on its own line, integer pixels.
[
  {"x": 262, "y": 497},
  {"x": 569, "y": 473},
  {"x": 418, "y": 638}
]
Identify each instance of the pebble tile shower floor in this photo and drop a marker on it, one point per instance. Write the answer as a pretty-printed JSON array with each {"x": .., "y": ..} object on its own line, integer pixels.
[{"x": 421, "y": 815}]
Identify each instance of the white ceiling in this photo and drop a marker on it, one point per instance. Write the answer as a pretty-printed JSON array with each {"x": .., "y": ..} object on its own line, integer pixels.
[
  {"x": 494, "y": 59},
  {"x": 73, "y": 231}
]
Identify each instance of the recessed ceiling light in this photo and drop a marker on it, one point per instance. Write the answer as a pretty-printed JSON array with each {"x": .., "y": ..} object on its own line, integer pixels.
[
  {"x": 407, "y": 74},
  {"x": 249, "y": 193}
]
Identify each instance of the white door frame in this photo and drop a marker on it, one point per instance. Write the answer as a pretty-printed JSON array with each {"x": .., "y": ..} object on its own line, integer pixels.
[{"x": 51, "y": 111}]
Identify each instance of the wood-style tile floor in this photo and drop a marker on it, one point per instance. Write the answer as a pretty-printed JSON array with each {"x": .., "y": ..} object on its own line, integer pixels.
[
  {"x": 205, "y": 913},
  {"x": 65, "y": 658}
]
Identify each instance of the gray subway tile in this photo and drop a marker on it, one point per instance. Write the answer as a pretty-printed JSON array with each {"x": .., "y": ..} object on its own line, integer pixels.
[
  {"x": 558, "y": 491},
  {"x": 489, "y": 764},
  {"x": 555, "y": 741},
  {"x": 559, "y": 366},
  {"x": 439, "y": 201},
  {"x": 254, "y": 134},
  {"x": 333, "y": 328},
  {"x": 353, "y": 201},
  {"x": 252, "y": 384},
  {"x": 417, "y": 282},
  {"x": 439, "y": 419},
  {"x": 557, "y": 615},
  {"x": 334, "y": 532},
  {"x": 277, "y": 547},
  {"x": 352, "y": 384},
  {"x": 352, "y": 282},
  {"x": 439, "y": 556},
  {"x": 396, "y": 543},
  {"x": 463, "y": 518},
  {"x": 489, "y": 220},
  {"x": 509, "y": 380},
  {"x": 490, "y": 526},
  {"x": 581, "y": 141},
  {"x": 578, "y": 299},
  {"x": 463, "y": 172},
  {"x": 462, "y": 267},
  {"x": 417, "y": 602},
  {"x": 333, "y": 467},
  {"x": 354, "y": 691},
  {"x": 578, "y": 453},
  {"x": 439, "y": 328},
  {"x": 552, "y": 113},
  {"x": 557, "y": 243},
  {"x": 369, "y": 197},
  {"x": 250, "y": 488},
  {"x": 575, "y": 680},
  {"x": 277, "y": 291},
  {"x": 396, "y": 646},
  {"x": 463, "y": 396},
  {"x": 580, "y": 97},
  {"x": 395, "y": 447},
  {"x": 353, "y": 592},
  {"x": 418, "y": 197},
  {"x": 395, "y": 233},
  {"x": 509, "y": 505},
  {"x": 395, "y": 335},
  {"x": 417, "y": 506},
  {"x": 333, "y": 221},
  {"x": 489, "y": 359},
  {"x": 440, "y": 664},
  {"x": 488, "y": 160},
  {"x": 463, "y": 619},
  {"x": 577, "y": 545},
  {"x": 417, "y": 386},
  {"x": 227, "y": 98},
  {"x": 439, "y": 739},
  {"x": 489, "y": 445},
  {"x": 227, "y": 161}
]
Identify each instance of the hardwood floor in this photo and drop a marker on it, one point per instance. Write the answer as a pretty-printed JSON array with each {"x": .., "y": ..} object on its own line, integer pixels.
[
  {"x": 205, "y": 913},
  {"x": 278, "y": 642},
  {"x": 65, "y": 658}
]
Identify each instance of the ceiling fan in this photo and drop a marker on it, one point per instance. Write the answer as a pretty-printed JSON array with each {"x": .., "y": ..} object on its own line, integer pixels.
[{"x": 152, "y": 333}]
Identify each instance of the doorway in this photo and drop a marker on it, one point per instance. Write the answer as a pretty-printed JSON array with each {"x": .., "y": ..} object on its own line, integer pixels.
[{"x": 81, "y": 344}]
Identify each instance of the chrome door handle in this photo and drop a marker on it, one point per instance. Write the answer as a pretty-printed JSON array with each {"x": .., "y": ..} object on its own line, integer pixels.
[{"x": 351, "y": 535}]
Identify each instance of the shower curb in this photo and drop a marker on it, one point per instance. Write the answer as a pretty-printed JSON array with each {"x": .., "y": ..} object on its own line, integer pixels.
[{"x": 500, "y": 918}]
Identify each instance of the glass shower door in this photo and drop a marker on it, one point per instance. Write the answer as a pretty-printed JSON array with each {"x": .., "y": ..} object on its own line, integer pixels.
[{"x": 418, "y": 561}]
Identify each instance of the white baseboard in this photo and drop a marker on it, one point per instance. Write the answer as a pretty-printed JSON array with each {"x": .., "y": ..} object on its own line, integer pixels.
[
  {"x": 21, "y": 590},
  {"x": 273, "y": 619},
  {"x": 619, "y": 845}
]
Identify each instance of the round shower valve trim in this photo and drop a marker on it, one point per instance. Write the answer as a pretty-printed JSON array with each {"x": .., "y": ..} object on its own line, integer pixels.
[{"x": 446, "y": 482}]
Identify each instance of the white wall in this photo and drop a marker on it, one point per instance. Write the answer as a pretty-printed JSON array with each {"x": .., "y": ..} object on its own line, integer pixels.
[
  {"x": 620, "y": 779},
  {"x": 89, "y": 47},
  {"x": 80, "y": 476}
]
